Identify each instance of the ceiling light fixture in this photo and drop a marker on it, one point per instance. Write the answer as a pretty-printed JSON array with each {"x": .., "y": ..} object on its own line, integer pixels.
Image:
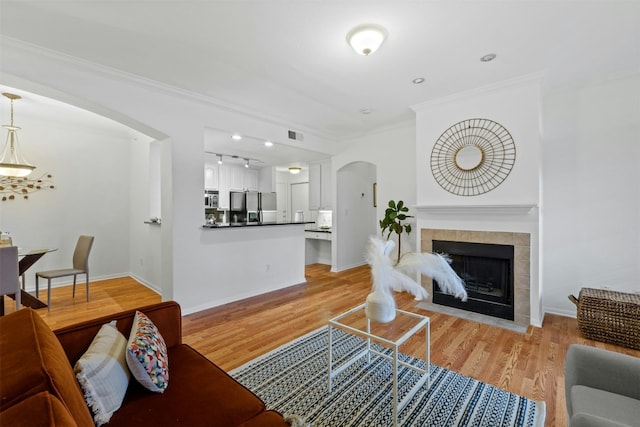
[
  {"x": 12, "y": 163},
  {"x": 236, "y": 160},
  {"x": 294, "y": 170},
  {"x": 418, "y": 80},
  {"x": 236, "y": 137},
  {"x": 488, "y": 57},
  {"x": 366, "y": 39},
  {"x": 268, "y": 144}
]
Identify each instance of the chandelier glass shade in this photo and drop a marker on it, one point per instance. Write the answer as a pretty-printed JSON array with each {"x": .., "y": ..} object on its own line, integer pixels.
[{"x": 12, "y": 162}]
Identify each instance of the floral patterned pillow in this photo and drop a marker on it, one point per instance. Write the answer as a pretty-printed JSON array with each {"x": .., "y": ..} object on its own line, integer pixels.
[{"x": 147, "y": 354}]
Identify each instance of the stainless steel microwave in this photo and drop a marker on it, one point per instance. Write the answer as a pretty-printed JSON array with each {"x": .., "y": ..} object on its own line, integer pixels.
[{"x": 210, "y": 199}]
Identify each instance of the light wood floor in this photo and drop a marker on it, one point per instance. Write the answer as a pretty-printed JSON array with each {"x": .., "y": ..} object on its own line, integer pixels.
[{"x": 528, "y": 364}]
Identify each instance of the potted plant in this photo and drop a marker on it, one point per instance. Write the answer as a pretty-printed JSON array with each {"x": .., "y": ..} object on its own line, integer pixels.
[
  {"x": 392, "y": 222},
  {"x": 387, "y": 276}
]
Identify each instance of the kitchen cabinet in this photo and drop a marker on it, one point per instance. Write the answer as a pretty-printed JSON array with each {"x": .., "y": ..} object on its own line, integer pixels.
[
  {"x": 210, "y": 176},
  {"x": 251, "y": 179},
  {"x": 232, "y": 178},
  {"x": 319, "y": 235},
  {"x": 317, "y": 247},
  {"x": 320, "y": 190},
  {"x": 237, "y": 179},
  {"x": 224, "y": 177},
  {"x": 326, "y": 191}
]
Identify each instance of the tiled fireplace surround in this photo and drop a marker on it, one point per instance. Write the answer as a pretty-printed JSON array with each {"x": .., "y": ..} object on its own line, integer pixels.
[{"x": 522, "y": 261}]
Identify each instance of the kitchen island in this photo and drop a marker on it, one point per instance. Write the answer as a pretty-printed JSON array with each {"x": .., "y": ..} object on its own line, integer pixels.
[{"x": 241, "y": 260}]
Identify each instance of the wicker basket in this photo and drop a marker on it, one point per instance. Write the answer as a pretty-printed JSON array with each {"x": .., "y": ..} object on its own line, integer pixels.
[{"x": 609, "y": 316}]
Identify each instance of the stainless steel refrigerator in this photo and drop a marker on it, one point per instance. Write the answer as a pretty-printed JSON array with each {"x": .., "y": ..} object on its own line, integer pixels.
[{"x": 268, "y": 209}]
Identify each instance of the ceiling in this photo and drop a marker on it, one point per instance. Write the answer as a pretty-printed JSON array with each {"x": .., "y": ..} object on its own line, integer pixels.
[
  {"x": 220, "y": 142},
  {"x": 289, "y": 58}
]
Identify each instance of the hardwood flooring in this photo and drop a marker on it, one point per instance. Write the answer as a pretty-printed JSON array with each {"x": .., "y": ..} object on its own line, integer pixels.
[{"x": 529, "y": 364}]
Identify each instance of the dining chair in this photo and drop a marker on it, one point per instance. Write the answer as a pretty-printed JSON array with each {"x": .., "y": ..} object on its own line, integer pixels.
[
  {"x": 9, "y": 280},
  {"x": 80, "y": 266}
]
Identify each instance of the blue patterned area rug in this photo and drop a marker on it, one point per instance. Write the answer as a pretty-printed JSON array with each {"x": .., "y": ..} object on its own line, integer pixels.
[{"x": 293, "y": 380}]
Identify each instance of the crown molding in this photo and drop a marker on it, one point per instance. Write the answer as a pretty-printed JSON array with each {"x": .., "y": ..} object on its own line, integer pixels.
[
  {"x": 160, "y": 87},
  {"x": 527, "y": 79}
]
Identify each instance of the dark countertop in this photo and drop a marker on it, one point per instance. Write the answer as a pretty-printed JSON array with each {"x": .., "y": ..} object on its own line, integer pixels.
[
  {"x": 252, "y": 224},
  {"x": 318, "y": 230}
]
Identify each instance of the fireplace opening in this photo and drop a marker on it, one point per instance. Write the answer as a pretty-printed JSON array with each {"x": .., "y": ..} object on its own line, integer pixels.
[{"x": 487, "y": 271}]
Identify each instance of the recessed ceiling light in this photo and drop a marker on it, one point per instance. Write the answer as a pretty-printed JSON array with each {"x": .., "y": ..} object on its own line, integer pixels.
[
  {"x": 365, "y": 110},
  {"x": 236, "y": 137},
  {"x": 488, "y": 57},
  {"x": 418, "y": 80},
  {"x": 268, "y": 144}
]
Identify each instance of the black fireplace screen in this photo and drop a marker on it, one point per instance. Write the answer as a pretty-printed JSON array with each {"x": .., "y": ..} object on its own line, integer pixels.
[{"x": 487, "y": 270}]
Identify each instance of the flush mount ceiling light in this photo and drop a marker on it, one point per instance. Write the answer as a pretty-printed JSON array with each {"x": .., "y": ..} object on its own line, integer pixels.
[
  {"x": 294, "y": 170},
  {"x": 12, "y": 163},
  {"x": 236, "y": 137},
  {"x": 488, "y": 57},
  {"x": 268, "y": 144},
  {"x": 366, "y": 39},
  {"x": 418, "y": 80}
]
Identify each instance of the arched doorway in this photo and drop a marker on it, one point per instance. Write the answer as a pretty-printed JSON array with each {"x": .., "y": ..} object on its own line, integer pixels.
[{"x": 355, "y": 213}]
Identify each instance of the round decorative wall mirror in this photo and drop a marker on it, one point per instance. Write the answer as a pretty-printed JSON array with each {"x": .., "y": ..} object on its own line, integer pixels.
[
  {"x": 473, "y": 157},
  {"x": 469, "y": 157}
]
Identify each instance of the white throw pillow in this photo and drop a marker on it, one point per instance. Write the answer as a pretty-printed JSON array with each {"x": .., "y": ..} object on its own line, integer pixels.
[{"x": 103, "y": 374}]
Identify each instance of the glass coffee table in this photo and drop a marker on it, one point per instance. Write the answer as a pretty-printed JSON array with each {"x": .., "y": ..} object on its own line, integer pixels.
[{"x": 390, "y": 335}]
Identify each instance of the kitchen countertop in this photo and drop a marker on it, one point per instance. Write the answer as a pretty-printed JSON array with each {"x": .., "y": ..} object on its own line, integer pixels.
[
  {"x": 252, "y": 224},
  {"x": 318, "y": 230}
]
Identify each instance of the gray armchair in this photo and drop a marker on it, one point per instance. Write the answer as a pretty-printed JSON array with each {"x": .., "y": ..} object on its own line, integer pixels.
[{"x": 602, "y": 387}]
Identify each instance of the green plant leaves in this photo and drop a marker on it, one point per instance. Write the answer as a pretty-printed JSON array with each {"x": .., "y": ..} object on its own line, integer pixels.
[{"x": 392, "y": 221}]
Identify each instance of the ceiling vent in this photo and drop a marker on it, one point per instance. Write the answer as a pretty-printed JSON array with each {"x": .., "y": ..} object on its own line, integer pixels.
[{"x": 296, "y": 136}]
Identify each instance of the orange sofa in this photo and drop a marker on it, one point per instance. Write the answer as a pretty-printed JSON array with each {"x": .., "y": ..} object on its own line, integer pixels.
[{"x": 38, "y": 385}]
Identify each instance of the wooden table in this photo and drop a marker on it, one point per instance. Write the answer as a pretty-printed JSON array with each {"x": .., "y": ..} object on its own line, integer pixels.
[{"x": 28, "y": 257}]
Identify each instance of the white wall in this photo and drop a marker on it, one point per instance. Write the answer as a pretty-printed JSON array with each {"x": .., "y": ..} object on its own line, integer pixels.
[
  {"x": 179, "y": 118},
  {"x": 591, "y": 190},
  {"x": 515, "y": 105},
  {"x": 144, "y": 192},
  {"x": 355, "y": 213},
  {"x": 91, "y": 174},
  {"x": 392, "y": 152}
]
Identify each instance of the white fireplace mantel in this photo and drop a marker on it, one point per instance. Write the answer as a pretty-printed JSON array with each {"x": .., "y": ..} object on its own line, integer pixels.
[{"x": 477, "y": 209}]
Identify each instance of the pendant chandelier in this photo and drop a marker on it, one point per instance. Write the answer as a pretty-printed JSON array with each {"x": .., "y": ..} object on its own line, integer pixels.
[{"x": 12, "y": 163}]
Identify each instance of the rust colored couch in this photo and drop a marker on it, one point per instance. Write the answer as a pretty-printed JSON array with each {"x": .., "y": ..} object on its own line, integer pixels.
[{"x": 38, "y": 386}]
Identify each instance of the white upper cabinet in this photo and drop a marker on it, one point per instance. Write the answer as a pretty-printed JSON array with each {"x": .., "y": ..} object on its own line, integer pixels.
[
  {"x": 251, "y": 179},
  {"x": 320, "y": 194},
  {"x": 210, "y": 176},
  {"x": 233, "y": 178},
  {"x": 237, "y": 179},
  {"x": 326, "y": 193},
  {"x": 314, "y": 186},
  {"x": 223, "y": 186}
]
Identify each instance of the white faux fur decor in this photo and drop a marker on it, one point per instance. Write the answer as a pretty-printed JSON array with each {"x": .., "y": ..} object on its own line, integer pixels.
[{"x": 388, "y": 277}]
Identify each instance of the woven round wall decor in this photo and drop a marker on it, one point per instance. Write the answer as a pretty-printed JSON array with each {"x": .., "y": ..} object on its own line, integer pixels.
[{"x": 473, "y": 157}]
